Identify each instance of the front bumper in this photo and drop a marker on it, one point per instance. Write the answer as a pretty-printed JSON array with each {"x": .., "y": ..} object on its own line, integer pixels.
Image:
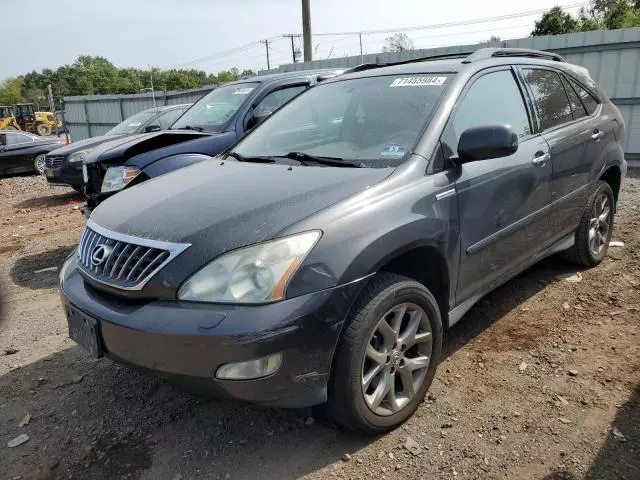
[
  {"x": 187, "y": 342},
  {"x": 67, "y": 174}
]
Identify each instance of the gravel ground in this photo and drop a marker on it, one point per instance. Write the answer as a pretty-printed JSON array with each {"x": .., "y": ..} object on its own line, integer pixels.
[{"x": 541, "y": 380}]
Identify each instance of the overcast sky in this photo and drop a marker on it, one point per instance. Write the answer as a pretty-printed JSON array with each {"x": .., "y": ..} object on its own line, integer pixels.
[{"x": 171, "y": 33}]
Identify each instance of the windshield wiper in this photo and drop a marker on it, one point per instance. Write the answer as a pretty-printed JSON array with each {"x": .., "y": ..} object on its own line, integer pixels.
[
  {"x": 189, "y": 127},
  {"x": 242, "y": 158},
  {"x": 331, "y": 161}
]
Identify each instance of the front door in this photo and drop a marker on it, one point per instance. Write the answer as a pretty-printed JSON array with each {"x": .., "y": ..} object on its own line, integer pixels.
[
  {"x": 502, "y": 202},
  {"x": 18, "y": 151}
]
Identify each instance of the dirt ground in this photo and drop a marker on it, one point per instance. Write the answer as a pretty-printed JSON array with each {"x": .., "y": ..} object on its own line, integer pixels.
[{"x": 540, "y": 380}]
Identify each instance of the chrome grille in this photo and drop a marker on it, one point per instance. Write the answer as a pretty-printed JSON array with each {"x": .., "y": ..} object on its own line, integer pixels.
[
  {"x": 122, "y": 261},
  {"x": 53, "y": 161}
]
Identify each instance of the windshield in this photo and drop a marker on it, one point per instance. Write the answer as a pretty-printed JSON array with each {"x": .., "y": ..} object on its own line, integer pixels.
[
  {"x": 215, "y": 109},
  {"x": 374, "y": 121},
  {"x": 133, "y": 123}
]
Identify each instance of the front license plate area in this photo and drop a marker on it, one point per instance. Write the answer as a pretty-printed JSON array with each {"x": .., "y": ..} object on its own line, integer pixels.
[
  {"x": 49, "y": 173},
  {"x": 85, "y": 331}
]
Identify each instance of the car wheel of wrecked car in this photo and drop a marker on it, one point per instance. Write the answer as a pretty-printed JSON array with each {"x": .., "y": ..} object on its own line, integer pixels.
[{"x": 388, "y": 355}]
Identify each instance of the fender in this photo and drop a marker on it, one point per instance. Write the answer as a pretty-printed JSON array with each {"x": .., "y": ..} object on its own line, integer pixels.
[{"x": 354, "y": 246}]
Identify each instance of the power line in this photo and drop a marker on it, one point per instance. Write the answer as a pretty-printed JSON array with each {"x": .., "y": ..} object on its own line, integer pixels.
[
  {"x": 451, "y": 24},
  {"x": 248, "y": 46}
]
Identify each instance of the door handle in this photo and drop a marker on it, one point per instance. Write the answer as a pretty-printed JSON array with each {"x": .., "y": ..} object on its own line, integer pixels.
[
  {"x": 596, "y": 135},
  {"x": 539, "y": 159}
]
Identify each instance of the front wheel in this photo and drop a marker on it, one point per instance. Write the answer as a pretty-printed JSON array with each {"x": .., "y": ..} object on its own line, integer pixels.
[
  {"x": 39, "y": 164},
  {"x": 43, "y": 129},
  {"x": 594, "y": 231},
  {"x": 387, "y": 357}
]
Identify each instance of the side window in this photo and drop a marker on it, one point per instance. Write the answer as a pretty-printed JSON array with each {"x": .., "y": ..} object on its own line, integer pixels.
[
  {"x": 277, "y": 98},
  {"x": 576, "y": 105},
  {"x": 17, "y": 138},
  {"x": 549, "y": 97},
  {"x": 166, "y": 119},
  {"x": 494, "y": 98},
  {"x": 590, "y": 103},
  {"x": 3, "y": 139}
]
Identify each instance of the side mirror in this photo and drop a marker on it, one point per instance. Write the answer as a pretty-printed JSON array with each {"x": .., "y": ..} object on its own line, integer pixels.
[
  {"x": 257, "y": 119},
  {"x": 486, "y": 142},
  {"x": 152, "y": 128}
]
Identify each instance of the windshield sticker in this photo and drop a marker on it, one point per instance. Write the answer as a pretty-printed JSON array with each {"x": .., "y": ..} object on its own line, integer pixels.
[
  {"x": 243, "y": 91},
  {"x": 392, "y": 150},
  {"x": 134, "y": 124},
  {"x": 418, "y": 81}
]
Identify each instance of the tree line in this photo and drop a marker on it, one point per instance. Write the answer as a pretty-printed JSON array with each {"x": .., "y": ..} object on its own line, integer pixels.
[
  {"x": 90, "y": 75},
  {"x": 601, "y": 15}
]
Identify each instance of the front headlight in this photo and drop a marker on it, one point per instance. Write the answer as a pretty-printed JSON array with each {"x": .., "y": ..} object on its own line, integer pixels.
[
  {"x": 117, "y": 178},
  {"x": 79, "y": 156},
  {"x": 256, "y": 274}
]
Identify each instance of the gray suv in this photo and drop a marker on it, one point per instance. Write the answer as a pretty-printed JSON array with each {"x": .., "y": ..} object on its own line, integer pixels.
[{"x": 320, "y": 259}]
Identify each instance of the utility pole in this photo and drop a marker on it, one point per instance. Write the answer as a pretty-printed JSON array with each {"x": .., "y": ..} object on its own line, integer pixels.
[
  {"x": 306, "y": 29},
  {"x": 266, "y": 44},
  {"x": 52, "y": 108},
  {"x": 153, "y": 92},
  {"x": 293, "y": 47},
  {"x": 361, "y": 57}
]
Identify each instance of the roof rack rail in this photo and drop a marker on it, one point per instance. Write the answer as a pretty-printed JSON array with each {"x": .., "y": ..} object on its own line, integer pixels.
[
  {"x": 485, "y": 53},
  {"x": 369, "y": 66},
  {"x": 469, "y": 57}
]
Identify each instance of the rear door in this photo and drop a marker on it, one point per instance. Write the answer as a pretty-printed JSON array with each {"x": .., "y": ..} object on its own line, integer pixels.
[
  {"x": 574, "y": 141},
  {"x": 502, "y": 202}
]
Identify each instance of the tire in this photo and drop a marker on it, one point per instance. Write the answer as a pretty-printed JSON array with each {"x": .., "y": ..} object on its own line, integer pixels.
[
  {"x": 39, "y": 164},
  {"x": 346, "y": 400},
  {"x": 582, "y": 252},
  {"x": 43, "y": 129}
]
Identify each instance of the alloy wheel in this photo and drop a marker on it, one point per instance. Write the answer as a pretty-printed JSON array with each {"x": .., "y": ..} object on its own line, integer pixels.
[
  {"x": 599, "y": 224},
  {"x": 396, "y": 359},
  {"x": 39, "y": 164}
]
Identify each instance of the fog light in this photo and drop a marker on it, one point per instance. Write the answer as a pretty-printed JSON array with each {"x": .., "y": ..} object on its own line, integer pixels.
[{"x": 257, "y": 368}]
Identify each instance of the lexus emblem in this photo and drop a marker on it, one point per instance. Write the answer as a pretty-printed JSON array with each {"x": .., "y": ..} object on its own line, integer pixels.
[{"x": 99, "y": 254}]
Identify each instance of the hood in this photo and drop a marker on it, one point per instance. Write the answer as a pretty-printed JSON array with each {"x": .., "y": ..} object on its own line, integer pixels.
[
  {"x": 122, "y": 148},
  {"x": 210, "y": 145},
  {"x": 84, "y": 144},
  {"x": 218, "y": 206}
]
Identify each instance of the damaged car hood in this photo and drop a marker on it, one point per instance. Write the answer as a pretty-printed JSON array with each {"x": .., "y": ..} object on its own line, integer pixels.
[
  {"x": 126, "y": 147},
  {"x": 220, "y": 205}
]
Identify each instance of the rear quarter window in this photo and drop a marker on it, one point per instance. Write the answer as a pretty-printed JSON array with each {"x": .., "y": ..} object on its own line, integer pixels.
[{"x": 589, "y": 102}]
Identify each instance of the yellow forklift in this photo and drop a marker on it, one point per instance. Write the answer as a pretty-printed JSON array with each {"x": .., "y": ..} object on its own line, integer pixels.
[
  {"x": 8, "y": 119},
  {"x": 29, "y": 120}
]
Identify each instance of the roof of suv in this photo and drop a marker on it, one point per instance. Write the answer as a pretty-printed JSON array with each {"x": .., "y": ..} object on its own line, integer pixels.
[{"x": 454, "y": 63}]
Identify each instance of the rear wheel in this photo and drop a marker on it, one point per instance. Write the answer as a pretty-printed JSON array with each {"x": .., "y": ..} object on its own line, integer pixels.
[
  {"x": 387, "y": 357},
  {"x": 43, "y": 129},
  {"x": 39, "y": 164},
  {"x": 595, "y": 228}
]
